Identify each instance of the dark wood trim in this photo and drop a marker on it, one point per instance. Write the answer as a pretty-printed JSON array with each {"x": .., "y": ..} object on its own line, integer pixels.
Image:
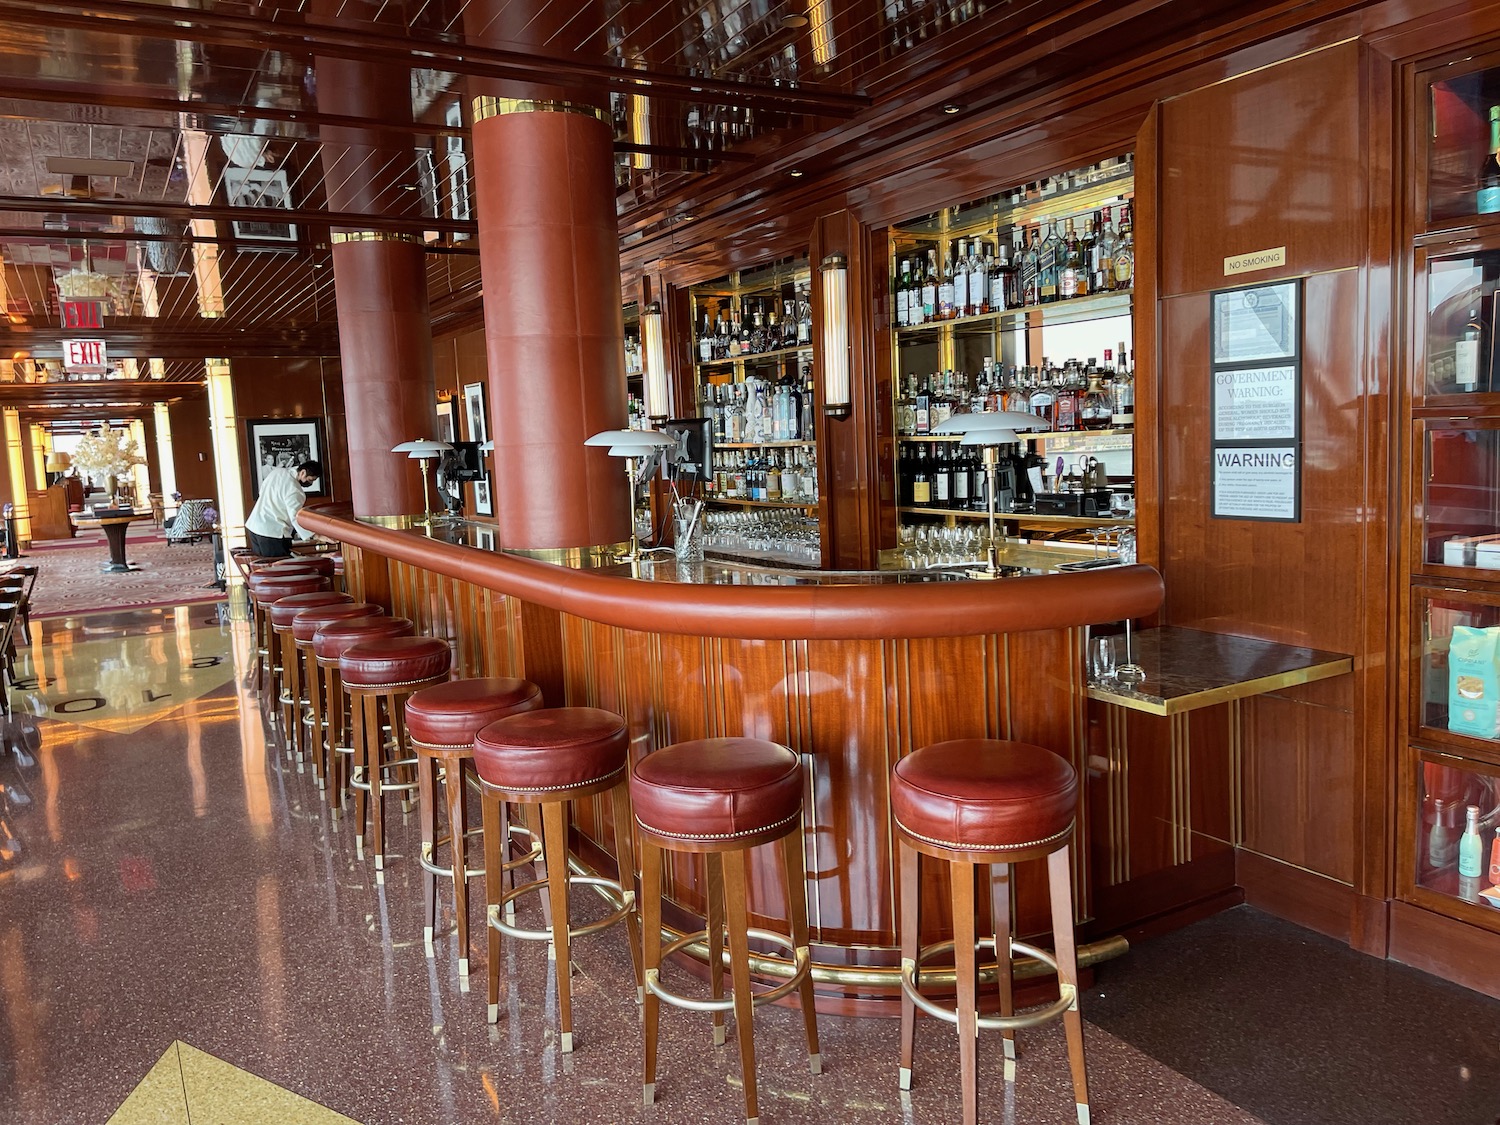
[
  {"x": 1296, "y": 894},
  {"x": 1166, "y": 899},
  {"x": 1445, "y": 947}
]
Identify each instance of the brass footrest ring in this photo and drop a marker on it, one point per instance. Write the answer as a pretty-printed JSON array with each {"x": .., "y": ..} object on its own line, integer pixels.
[
  {"x": 424, "y": 857},
  {"x": 496, "y": 912},
  {"x": 801, "y": 963},
  {"x": 1068, "y": 997}
]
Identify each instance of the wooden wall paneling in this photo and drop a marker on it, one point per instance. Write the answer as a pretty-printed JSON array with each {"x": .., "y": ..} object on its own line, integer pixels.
[
  {"x": 541, "y": 650},
  {"x": 1209, "y": 790},
  {"x": 849, "y": 465},
  {"x": 1149, "y": 496},
  {"x": 1449, "y": 948},
  {"x": 470, "y": 358},
  {"x": 193, "y": 448},
  {"x": 1296, "y": 894},
  {"x": 293, "y": 387},
  {"x": 1148, "y": 795}
]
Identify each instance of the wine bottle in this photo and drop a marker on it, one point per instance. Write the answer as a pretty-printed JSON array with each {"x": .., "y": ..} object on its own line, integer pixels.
[{"x": 1487, "y": 198}]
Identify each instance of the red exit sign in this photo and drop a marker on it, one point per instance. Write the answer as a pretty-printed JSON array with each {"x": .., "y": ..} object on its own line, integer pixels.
[
  {"x": 84, "y": 355},
  {"x": 82, "y": 314}
]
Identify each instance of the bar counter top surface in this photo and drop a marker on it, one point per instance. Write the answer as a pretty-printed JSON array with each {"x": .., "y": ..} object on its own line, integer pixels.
[
  {"x": 1190, "y": 668},
  {"x": 721, "y": 597}
]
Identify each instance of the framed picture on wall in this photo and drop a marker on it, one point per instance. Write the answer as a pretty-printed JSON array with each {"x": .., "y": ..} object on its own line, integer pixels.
[
  {"x": 445, "y": 421},
  {"x": 474, "y": 417},
  {"x": 284, "y": 443},
  {"x": 484, "y": 503}
]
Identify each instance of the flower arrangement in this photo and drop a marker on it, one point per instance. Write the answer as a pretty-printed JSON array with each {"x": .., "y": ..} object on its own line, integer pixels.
[{"x": 107, "y": 452}]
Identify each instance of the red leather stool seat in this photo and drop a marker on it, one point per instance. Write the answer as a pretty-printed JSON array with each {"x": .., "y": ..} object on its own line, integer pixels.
[
  {"x": 389, "y": 662},
  {"x": 718, "y": 790},
  {"x": 984, "y": 795},
  {"x": 306, "y": 624},
  {"x": 283, "y": 611},
  {"x": 268, "y": 590},
  {"x": 337, "y": 637},
  {"x": 449, "y": 715},
  {"x": 550, "y": 750},
  {"x": 322, "y": 564}
]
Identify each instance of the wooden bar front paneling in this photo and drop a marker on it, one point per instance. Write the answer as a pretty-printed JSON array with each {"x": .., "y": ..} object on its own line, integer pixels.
[{"x": 850, "y": 705}]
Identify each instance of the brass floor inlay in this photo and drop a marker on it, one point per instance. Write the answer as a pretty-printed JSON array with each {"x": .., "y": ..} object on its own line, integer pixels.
[{"x": 190, "y": 1087}]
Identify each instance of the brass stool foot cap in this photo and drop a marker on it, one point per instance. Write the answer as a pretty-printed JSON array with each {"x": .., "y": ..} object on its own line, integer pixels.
[
  {"x": 718, "y": 1035},
  {"x": 567, "y": 1042},
  {"x": 494, "y": 1013},
  {"x": 379, "y": 877},
  {"x": 640, "y": 995},
  {"x": 551, "y": 952},
  {"x": 815, "y": 1063},
  {"x": 1083, "y": 1113},
  {"x": 1010, "y": 1070},
  {"x": 906, "y": 1078},
  {"x": 648, "y": 1094},
  {"x": 379, "y": 862},
  {"x": 427, "y": 940},
  {"x": 463, "y": 966}
]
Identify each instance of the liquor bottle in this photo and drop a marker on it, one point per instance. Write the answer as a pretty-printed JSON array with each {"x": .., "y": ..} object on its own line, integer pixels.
[
  {"x": 1094, "y": 406},
  {"x": 756, "y": 341},
  {"x": 945, "y": 292},
  {"x": 804, "y": 313},
  {"x": 1065, "y": 399},
  {"x": 1042, "y": 400},
  {"x": 1071, "y": 281},
  {"x": 923, "y": 422},
  {"x": 941, "y": 406},
  {"x": 961, "y": 493},
  {"x": 1105, "y": 253},
  {"x": 773, "y": 476},
  {"x": 1487, "y": 198},
  {"x": 1124, "y": 251},
  {"x": 921, "y": 484},
  {"x": 942, "y": 477},
  {"x": 706, "y": 340},
  {"x": 930, "y": 289},
  {"x": 1495, "y": 860},
  {"x": 789, "y": 323},
  {"x": 906, "y": 406},
  {"x": 1047, "y": 266},
  {"x": 1122, "y": 389},
  {"x": 961, "y": 281},
  {"x": 1466, "y": 355},
  {"x": 1088, "y": 246},
  {"x": 1470, "y": 845},
  {"x": 979, "y": 281},
  {"x": 1441, "y": 845},
  {"x": 903, "y": 292},
  {"x": 1001, "y": 280}
]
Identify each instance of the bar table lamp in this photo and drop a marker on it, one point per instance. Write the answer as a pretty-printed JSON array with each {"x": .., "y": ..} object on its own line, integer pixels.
[
  {"x": 990, "y": 429},
  {"x": 632, "y": 445},
  {"x": 423, "y": 450}
]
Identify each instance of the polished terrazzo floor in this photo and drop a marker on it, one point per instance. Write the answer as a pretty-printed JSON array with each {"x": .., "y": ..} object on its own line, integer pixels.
[{"x": 186, "y": 937}]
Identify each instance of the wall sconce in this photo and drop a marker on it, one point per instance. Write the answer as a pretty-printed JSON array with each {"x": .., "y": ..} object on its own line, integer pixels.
[
  {"x": 835, "y": 351},
  {"x": 658, "y": 394}
]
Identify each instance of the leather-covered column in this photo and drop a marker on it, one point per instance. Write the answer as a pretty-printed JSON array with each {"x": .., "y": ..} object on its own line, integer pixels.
[
  {"x": 549, "y": 253},
  {"x": 380, "y": 284}
]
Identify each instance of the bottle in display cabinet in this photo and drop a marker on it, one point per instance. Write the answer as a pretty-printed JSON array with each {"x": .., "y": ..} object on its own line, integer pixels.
[
  {"x": 1470, "y": 845},
  {"x": 1487, "y": 197}
]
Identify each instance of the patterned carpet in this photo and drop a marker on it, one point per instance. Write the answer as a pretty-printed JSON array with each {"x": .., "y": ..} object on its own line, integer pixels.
[{"x": 71, "y": 580}]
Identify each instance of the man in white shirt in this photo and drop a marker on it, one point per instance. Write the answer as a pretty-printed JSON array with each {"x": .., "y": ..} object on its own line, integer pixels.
[{"x": 273, "y": 521}]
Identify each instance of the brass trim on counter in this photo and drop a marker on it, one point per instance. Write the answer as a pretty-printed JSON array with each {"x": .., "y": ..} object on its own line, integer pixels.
[
  {"x": 1226, "y": 692},
  {"x": 487, "y": 106},
  {"x": 577, "y": 558},
  {"x": 341, "y": 237}
]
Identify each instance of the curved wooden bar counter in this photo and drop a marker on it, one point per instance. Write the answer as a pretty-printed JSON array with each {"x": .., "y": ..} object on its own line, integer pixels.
[{"x": 850, "y": 671}]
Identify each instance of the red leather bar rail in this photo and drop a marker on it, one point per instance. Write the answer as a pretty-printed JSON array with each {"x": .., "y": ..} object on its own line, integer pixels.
[{"x": 940, "y": 609}]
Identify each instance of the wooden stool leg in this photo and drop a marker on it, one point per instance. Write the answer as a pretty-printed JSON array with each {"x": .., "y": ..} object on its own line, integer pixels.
[
  {"x": 555, "y": 843},
  {"x": 715, "y": 923},
  {"x": 538, "y": 828},
  {"x": 625, "y": 861},
  {"x": 737, "y": 912},
  {"x": 315, "y": 708},
  {"x": 911, "y": 937},
  {"x": 1000, "y": 912},
  {"x": 964, "y": 963},
  {"x": 338, "y": 764},
  {"x": 257, "y": 631},
  {"x": 292, "y": 679},
  {"x": 458, "y": 825},
  {"x": 496, "y": 851},
  {"x": 796, "y": 908},
  {"x": 650, "y": 959},
  {"x": 359, "y": 763},
  {"x": 427, "y": 822},
  {"x": 1060, "y": 883},
  {"x": 375, "y": 755}
]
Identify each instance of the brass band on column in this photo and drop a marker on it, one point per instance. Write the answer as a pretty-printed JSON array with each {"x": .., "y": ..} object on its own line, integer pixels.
[
  {"x": 486, "y": 106},
  {"x": 341, "y": 237}
]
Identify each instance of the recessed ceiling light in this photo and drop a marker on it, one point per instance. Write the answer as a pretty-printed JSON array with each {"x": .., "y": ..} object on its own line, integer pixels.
[
  {"x": 793, "y": 21},
  {"x": 952, "y": 107},
  {"x": 687, "y": 217},
  {"x": 794, "y": 172},
  {"x": 408, "y": 187}
]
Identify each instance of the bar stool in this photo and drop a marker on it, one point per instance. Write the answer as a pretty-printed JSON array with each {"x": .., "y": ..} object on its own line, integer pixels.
[
  {"x": 544, "y": 760},
  {"x": 256, "y": 571},
  {"x": 266, "y": 588},
  {"x": 720, "y": 797},
  {"x": 441, "y": 722},
  {"x": 385, "y": 671},
  {"x": 977, "y": 802},
  {"x": 282, "y": 613},
  {"x": 304, "y": 628},
  {"x": 330, "y": 642}
]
